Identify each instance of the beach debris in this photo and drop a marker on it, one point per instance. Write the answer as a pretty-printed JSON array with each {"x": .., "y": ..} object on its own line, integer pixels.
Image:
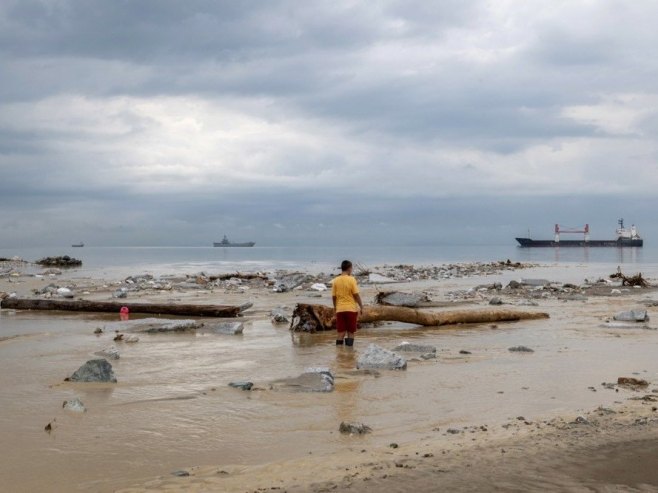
[
  {"x": 313, "y": 318},
  {"x": 288, "y": 282},
  {"x": 374, "y": 278},
  {"x": 65, "y": 293},
  {"x": 521, "y": 349},
  {"x": 63, "y": 261},
  {"x": 354, "y": 428},
  {"x": 120, "y": 293},
  {"x": 495, "y": 301},
  {"x": 110, "y": 352},
  {"x": 74, "y": 405},
  {"x": 49, "y": 427},
  {"x": 393, "y": 445},
  {"x": 154, "y": 325},
  {"x": 98, "y": 331},
  {"x": 399, "y": 298},
  {"x": 228, "y": 328},
  {"x": 414, "y": 348},
  {"x": 581, "y": 420},
  {"x": 637, "y": 315},
  {"x": 94, "y": 370},
  {"x": 180, "y": 473},
  {"x": 127, "y": 338},
  {"x": 376, "y": 357},
  {"x": 201, "y": 310},
  {"x": 636, "y": 280},
  {"x": 278, "y": 317},
  {"x": 241, "y": 385},
  {"x": 312, "y": 380},
  {"x": 535, "y": 282},
  {"x": 464, "y": 351},
  {"x": 631, "y": 382},
  {"x": 318, "y": 286}
]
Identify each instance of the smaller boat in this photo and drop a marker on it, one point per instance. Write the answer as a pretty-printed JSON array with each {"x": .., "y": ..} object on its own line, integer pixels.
[
  {"x": 78, "y": 245},
  {"x": 226, "y": 243}
]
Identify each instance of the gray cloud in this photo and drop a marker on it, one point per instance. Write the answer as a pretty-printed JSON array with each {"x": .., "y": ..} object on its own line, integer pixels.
[{"x": 140, "y": 121}]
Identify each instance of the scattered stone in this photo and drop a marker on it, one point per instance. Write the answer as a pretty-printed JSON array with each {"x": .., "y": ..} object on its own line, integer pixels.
[
  {"x": 95, "y": 370},
  {"x": 535, "y": 282},
  {"x": 229, "y": 328},
  {"x": 428, "y": 356},
  {"x": 514, "y": 285},
  {"x": 521, "y": 349},
  {"x": 110, "y": 352},
  {"x": 581, "y": 420},
  {"x": 453, "y": 431},
  {"x": 48, "y": 428},
  {"x": 463, "y": 351},
  {"x": 65, "y": 293},
  {"x": 632, "y": 316},
  {"x": 128, "y": 338},
  {"x": 631, "y": 382},
  {"x": 180, "y": 474},
  {"x": 278, "y": 317},
  {"x": 393, "y": 445},
  {"x": 241, "y": 385},
  {"x": 120, "y": 293},
  {"x": 74, "y": 405},
  {"x": 495, "y": 301},
  {"x": 354, "y": 428},
  {"x": 154, "y": 325},
  {"x": 318, "y": 286},
  {"x": 309, "y": 381},
  {"x": 98, "y": 330},
  {"x": 376, "y": 357},
  {"x": 415, "y": 348}
]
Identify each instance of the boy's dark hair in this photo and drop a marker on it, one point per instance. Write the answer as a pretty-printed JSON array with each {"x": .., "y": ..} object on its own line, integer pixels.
[{"x": 345, "y": 265}]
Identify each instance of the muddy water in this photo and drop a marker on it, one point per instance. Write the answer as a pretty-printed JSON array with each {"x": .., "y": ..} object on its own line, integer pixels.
[{"x": 172, "y": 407}]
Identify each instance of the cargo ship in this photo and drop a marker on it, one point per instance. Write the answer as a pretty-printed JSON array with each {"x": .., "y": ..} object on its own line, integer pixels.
[
  {"x": 226, "y": 243},
  {"x": 626, "y": 237}
]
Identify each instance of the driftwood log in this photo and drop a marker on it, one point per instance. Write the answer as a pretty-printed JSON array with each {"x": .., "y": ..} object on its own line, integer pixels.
[
  {"x": 314, "y": 318},
  {"x": 114, "y": 307},
  {"x": 636, "y": 280}
]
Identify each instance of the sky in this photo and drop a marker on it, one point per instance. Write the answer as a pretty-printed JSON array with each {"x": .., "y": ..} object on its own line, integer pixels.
[{"x": 161, "y": 122}]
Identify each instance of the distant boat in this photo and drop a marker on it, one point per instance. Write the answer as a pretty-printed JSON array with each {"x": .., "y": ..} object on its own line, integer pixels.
[
  {"x": 78, "y": 245},
  {"x": 626, "y": 237},
  {"x": 226, "y": 243}
]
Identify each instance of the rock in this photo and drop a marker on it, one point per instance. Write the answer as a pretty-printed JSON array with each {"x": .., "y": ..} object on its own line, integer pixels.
[
  {"x": 397, "y": 298},
  {"x": 632, "y": 382},
  {"x": 129, "y": 338},
  {"x": 120, "y": 293},
  {"x": 289, "y": 282},
  {"x": 309, "y": 381},
  {"x": 376, "y": 357},
  {"x": 277, "y": 316},
  {"x": 615, "y": 291},
  {"x": 318, "y": 286},
  {"x": 98, "y": 330},
  {"x": 65, "y": 293},
  {"x": 64, "y": 261},
  {"x": 415, "y": 348},
  {"x": 354, "y": 428},
  {"x": 495, "y": 301},
  {"x": 154, "y": 325},
  {"x": 572, "y": 297},
  {"x": 229, "y": 328},
  {"x": 241, "y": 385},
  {"x": 110, "y": 352},
  {"x": 74, "y": 405},
  {"x": 453, "y": 431},
  {"x": 427, "y": 356},
  {"x": 180, "y": 474},
  {"x": 94, "y": 370},
  {"x": 514, "y": 285},
  {"x": 581, "y": 420},
  {"x": 463, "y": 351},
  {"x": 521, "y": 349},
  {"x": 632, "y": 316}
]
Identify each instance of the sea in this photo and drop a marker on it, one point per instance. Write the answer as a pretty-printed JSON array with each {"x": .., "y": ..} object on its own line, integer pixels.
[{"x": 116, "y": 262}]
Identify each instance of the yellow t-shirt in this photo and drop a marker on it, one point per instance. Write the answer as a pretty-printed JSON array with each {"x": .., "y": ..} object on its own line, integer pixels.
[{"x": 344, "y": 288}]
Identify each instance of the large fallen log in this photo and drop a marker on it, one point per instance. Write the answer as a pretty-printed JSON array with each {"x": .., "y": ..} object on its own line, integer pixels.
[
  {"x": 313, "y": 318},
  {"x": 114, "y": 307}
]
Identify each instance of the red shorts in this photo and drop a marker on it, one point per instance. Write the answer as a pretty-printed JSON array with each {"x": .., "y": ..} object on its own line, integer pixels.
[{"x": 346, "y": 322}]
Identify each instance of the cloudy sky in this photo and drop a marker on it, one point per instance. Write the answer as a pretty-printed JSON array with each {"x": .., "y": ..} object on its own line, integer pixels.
[{"x": 162, "y": 122}]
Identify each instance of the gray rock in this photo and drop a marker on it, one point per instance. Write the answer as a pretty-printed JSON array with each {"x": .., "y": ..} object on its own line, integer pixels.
[
  {"x": 229, "y": 328},
  {"x": 180, "y": 474},
  {"x": 427, "y": 356},
  {"x": 354, "y": 428},
  {"x": 309, "y": 381},
  {"x": 397, "y": 298},
  {"x": 514, "y": 285},
  {"x": 376, "y": 357},
  {"x": 120, "y": 293},
  {"x": 278, "y": 317},
  {"x": 110, "y": 352},
  {"x": 581, "y": 420},
  {"x": 415, "y": 348},
  {"x": 521, "y": 349},
  {"x": 74, "y": 405},
  {"x": 632, "y": 316},
  {"x": 241, "y": 385},
  {"x": 535, "y": 282},
  {"x": 154, "y": 325},
  {"x": 495, "y": 301},
  {"x": 572, "y": 297},
  {"x": 94, "y": 370}
]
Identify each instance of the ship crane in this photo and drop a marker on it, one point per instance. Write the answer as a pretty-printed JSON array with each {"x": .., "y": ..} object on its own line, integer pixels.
[{"x": 584, "y": 231}]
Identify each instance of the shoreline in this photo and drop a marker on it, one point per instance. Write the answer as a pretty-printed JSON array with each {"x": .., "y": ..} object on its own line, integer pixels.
[{"x": 291, "y": 440}]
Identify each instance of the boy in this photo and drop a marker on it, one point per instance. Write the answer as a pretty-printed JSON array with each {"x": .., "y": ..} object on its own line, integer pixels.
[{"x": 347, "y": 304}]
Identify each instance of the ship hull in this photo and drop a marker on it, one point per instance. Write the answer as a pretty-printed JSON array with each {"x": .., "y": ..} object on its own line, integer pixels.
[
  {"x": 234, "y": 245},
  {"x": 621, "y": 242}
]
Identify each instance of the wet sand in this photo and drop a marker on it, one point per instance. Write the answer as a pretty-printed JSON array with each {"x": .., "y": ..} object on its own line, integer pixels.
[{"x": 172, "y": 408}]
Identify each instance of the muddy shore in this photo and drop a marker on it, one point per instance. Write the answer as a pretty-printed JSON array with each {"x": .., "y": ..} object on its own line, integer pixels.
[{"x": 451, "y": 417}]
